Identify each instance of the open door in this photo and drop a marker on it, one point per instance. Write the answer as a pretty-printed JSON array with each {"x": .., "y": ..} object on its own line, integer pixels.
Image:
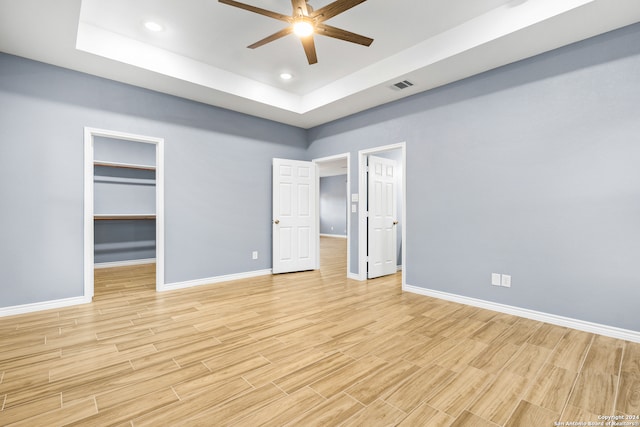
[
  {"x": 295, "y": 216},
  {"x": 382, "y": 219}
]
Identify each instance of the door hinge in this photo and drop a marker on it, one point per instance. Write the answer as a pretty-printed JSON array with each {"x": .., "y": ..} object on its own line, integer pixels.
[
  {"x": 366, "y": 259},
  {"x": 366, "y": 168}
]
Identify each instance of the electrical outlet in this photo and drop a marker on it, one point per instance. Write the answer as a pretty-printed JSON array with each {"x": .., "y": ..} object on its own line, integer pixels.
[
  {"x": 495, "y": 279},
  {"x": 254, "y": 255},
  {"x": 506, "y": 281}
]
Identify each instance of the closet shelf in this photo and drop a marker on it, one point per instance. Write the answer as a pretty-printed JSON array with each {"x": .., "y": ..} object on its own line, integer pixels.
[
  {"x": 102, "y": 217},
  {"x": 124, "y": 165}
]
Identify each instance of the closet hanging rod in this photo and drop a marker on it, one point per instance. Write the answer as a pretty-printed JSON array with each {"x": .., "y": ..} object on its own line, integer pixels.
[
  {"x": 119, "y": 180},
  {"x": 104, "y": 217}
]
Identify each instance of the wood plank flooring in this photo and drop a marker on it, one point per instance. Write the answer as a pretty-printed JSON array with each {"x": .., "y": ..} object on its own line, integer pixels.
[{"x": 301, "y": 349}]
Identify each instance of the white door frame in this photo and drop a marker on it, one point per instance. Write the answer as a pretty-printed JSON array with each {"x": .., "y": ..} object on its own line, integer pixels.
[
  {"x": 330, "y": 159},
  {"x": 362, "y": 217},
  {"x": 89, "y": 135}
]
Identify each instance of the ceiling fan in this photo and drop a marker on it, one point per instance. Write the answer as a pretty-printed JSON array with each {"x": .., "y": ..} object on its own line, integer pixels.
[{"x": 305, "y": 22}]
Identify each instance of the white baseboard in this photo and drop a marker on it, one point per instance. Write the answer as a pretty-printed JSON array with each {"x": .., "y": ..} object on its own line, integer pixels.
[
  {"x": 581, "y": 325},
  {"x": 124, "y": 263},
  {"x": 212, "y": 280},
  {"x": 341, "y": 236},
  {"x": 398, "y": 268},
  {"x": 45, "y": 305}
]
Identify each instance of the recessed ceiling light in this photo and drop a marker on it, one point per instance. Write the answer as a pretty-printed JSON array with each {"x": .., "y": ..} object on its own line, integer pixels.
[
  {"x": 286, "y": 76},
  {"x": 153, "y": 26}
]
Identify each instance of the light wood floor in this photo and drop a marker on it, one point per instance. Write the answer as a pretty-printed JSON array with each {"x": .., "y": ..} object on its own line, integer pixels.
[{"x": 301, "y": 349}]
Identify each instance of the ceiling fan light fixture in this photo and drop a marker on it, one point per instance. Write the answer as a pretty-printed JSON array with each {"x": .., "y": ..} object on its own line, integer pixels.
[
  {"x": 304, "y": 21},
  {"x": 303, "y": 28}
]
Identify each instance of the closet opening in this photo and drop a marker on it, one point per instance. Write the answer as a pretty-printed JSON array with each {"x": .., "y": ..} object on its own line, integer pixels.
[{"x": 124, "y": 225}]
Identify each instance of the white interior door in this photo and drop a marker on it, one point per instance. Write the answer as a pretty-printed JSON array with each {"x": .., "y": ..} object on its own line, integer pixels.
[
  {"x": 295, "y": 216},
  {"x": 382, "y": 219}
]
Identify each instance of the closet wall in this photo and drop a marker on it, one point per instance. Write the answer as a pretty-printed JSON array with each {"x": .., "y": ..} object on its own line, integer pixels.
[
  {"x": 124, "y": 201},
  {"x": 333, "y": 205}
]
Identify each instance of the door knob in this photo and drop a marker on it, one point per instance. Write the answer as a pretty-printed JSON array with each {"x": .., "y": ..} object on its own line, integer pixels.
[
  {"x": 277, "y": 221},
  {"x": 395, "y": 222}
]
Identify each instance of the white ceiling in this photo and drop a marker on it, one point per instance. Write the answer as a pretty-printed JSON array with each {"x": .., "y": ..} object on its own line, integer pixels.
[{"x": 201, "y": 54}]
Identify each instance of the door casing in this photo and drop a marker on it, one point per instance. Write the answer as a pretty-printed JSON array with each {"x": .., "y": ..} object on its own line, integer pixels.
[{"x": 89, "y": 135}]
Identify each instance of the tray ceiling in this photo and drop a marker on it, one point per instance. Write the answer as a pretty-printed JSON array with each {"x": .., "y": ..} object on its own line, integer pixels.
[{"x": 201, "y": 52}]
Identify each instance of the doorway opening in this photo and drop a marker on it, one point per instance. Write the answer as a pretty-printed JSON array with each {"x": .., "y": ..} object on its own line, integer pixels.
[
  {"x": 124, "y": 203},
  {"x": 334, "y": 218},
  {"x": 397, "y": 152}
]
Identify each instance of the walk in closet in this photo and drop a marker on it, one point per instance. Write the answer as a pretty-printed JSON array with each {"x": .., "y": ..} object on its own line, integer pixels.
[
  {"x": 124, "y": 176},
  {"x": 123, "y": 203}
]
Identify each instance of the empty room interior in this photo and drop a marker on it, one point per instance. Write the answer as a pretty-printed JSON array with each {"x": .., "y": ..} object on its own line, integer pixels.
[{"x": 415, "y": 213}]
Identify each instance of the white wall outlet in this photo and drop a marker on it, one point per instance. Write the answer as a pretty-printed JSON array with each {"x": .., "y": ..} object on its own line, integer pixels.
[
  {"x": 254, "y": 255},
  {"x": 495, "y": 279},
  {"x": 506, "y": 281}
]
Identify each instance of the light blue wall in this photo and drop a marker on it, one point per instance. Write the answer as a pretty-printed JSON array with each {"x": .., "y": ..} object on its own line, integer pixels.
[
  {"x": 123, "y": 151},
  {"x": 217, "y": 173},
  {"x": 124, "y": 240},
  {"x": 531, "y": 170},
  {"x": 333, "y": 205},
  {"x": 120, "y": 197}
]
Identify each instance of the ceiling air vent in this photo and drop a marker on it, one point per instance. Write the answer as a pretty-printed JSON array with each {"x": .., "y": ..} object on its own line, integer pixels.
[{"x": 402, "y": 85}]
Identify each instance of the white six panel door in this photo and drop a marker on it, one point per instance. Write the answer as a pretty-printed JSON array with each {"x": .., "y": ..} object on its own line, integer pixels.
[
  {"x": 295, "y": 221},
  {"x": 382, "y": 219}
]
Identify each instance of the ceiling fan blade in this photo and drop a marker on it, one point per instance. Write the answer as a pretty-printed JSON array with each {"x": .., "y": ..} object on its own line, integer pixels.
[
  {"x": 258, "y": 10},
  {"x": 333, "y": 9},
  {"x": 299, "y": 5},
  {"x": 309, "y": 49},
  {"x": 337, "y": 33},
  {"x": 272, "y": 37}
]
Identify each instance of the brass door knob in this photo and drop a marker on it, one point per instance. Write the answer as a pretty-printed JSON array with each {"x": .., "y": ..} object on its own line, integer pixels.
[{"x": 277, "y": 221}]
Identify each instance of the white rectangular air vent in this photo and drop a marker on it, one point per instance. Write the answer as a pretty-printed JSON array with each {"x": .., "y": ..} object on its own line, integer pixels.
[{"x": 402, "y": 85}]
